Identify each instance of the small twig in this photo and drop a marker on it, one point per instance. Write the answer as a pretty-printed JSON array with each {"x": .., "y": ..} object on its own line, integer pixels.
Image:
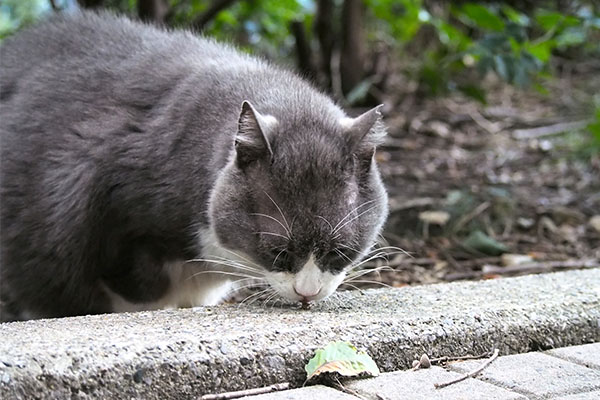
[
  {"x": 54, "y": 6},
  {"x": 399, "y": 205},
  {"x": 480, "y": 120},
  {"x": 248, "y": 392},
  {"x": 477, "y": 262},
  {"x": 528, "y": 268},
  {"x": 542, "y": 131},
  {"x": 417, "y": 364},
  {"x": 540, "y": 266},
  {"x": 471, "y": 374},
  {"x": 469, "y": 216},
  {"x": 448, "y": 257},
  {"x": 344, "y": 389},
  {"x": 458, "y": 358}
]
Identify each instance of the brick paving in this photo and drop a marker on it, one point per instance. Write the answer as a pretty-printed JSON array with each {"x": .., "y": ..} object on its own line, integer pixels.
[{"x": 568, "y": 373}]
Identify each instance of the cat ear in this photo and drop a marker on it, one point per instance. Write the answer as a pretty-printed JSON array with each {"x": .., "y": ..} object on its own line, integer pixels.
[
  {"x": 252, "y": 139},
  {"x": 364, "y": 132}
]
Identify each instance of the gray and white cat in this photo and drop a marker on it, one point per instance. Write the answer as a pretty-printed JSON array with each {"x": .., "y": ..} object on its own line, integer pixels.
[{"x": 128, "y": 150}]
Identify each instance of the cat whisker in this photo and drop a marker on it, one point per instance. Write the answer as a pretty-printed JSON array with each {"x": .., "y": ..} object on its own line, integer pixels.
[
  {"x": 382, "y": 254},
  {"x": 254, "y": 295},
  {"x": 354, "y": 218},
  {"x": 277, "y": 256},
  {"x": 326, "y": 221},
  {"x": 371, "y": 282},
  {"x": 396, "y": 249},
  {"x": 272, "y": 234},
  {"x": 246, "y": 286},
  {"x": 348, "y": 247},
  {"x": 257, "y": 296},
  {"x": 366, "y": 260},
  {"x": 352, "y": 286},
  {"x": 350, "y": 213},
  {"x": 242, "y": 257},
  {"x": 358, "y": 274},
  {"x": 226, "y": 262},
  {"x": 338, "y": 252},
  {"x": 269, "y": 298},
  {"x": 223, "y": 273},
  {"x": 287, "y": 231}
]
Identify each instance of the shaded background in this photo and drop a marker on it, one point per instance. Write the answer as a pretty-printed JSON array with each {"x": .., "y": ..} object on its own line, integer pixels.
[{"x": 493, "y": 108}]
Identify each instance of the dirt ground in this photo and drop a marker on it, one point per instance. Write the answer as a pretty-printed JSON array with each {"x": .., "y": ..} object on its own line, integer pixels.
[{"x": 482, "y": 191}]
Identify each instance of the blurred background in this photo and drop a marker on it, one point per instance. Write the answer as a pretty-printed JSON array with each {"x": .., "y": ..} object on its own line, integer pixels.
[{"x": 493, "y": 107}]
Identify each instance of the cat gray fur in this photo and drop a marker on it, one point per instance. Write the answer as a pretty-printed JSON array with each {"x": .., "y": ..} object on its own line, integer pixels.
[{"x": 126, "y": 150}]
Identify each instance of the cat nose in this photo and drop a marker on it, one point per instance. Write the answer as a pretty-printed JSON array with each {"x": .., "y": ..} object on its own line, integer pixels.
[{"x": 307, "y": 292}]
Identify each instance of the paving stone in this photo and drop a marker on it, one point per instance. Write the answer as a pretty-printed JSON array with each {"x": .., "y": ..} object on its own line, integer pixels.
[
  {"x": 184, "y": 354},
  {"x": 418, "y": 385},
  {"x": 587, "y": 354},
  {"x": 318, "y": 392},
  {"x": 536, "y": 374},
  {"x": 595, "y": 395}
]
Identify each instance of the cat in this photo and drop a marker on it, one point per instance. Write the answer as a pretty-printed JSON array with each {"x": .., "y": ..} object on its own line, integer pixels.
[{"x": 143, "y": 168}]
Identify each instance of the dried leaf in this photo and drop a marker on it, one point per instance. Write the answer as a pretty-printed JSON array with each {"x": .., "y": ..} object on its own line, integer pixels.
[{"x": 341, "y": 358}]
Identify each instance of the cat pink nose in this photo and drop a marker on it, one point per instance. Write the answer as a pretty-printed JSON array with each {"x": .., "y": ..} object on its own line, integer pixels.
[{"x": 307, "y": 293}]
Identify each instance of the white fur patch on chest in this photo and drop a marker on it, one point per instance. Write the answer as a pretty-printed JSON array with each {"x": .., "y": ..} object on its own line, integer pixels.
[
  {"x": 191, "y": 285},
  {"x": 199, "y": 283}
]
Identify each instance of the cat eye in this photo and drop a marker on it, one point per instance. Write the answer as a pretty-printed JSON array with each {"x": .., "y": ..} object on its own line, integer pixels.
[
  {"x": 336, "y": 259},
  {"x": 281, "y": 257}
]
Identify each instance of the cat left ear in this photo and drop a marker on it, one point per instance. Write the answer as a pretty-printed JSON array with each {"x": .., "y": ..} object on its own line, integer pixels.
[
  {"x": 364, "y": 132},
  {"x": 252, "y": 139}
]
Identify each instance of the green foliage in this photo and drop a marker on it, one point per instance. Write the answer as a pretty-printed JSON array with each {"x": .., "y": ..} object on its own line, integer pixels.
[
  {"x": 15, "y": 14},
  {"x": 594, "y": 128},
  {"x": 491, "y": 37},
  {"x": 402, "y": 18},
  {"x": 261, "y": 25},
  {"x": 467, "y": 38}
]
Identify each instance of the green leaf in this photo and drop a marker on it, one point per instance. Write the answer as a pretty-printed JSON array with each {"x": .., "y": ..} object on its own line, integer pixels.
[
  {"x": 548, "y": 19},
  {"x": 501, "y": 67},
  {"x": 482, "y": 243},
  {"x": 482, "y": 17},
  {"x": 541, "y": 50},
  {"x": 342, "y": 358},
  {"x": 474, "y": 92},
  {"x": 360, "y": 91},
  {"x": 515, "y": 16}
]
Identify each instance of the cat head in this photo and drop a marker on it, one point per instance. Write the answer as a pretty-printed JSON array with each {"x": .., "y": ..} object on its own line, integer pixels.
[{"x": 301, "y": 197}]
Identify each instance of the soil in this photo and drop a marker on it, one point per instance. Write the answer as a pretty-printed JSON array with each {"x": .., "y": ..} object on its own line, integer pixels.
[{"x": 514, "y": 185}]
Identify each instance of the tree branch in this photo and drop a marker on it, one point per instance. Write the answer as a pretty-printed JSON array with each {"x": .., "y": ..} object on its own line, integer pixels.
[
  {"x": 91, "y": 3},
  {"x": 325, "y": 36},
  {"x": 216, "y": 7},
  {"x": 152, "y": 10},
  {"x": 303, "y": 50},
  {"x": 353, "y": 45}
]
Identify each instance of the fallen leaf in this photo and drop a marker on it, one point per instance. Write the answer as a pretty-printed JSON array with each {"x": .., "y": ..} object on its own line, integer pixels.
[
  {"x": 341, "y": 358},
  {"x": 481, "y": 242}
]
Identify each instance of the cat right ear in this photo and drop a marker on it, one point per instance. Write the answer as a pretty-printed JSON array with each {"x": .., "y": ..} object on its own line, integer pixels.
[
  {"x": 364, "y": 132},
  {"x": 252, "y": 139}
]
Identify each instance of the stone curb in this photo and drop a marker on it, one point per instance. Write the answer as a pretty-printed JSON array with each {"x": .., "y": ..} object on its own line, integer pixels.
[{"x": 186, "y": 353}]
